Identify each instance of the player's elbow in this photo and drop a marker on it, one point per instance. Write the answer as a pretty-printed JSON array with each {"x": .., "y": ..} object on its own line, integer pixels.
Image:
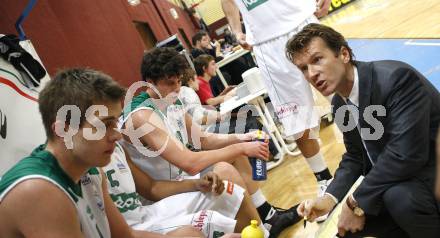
[
  {"x": 191, "y": 169},
  {"x": 192, "y": 166},
  {"x": 193, "y": 172}
]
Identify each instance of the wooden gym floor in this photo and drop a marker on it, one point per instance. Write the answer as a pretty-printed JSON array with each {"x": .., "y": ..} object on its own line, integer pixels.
[{"x": 293, "y": 181}]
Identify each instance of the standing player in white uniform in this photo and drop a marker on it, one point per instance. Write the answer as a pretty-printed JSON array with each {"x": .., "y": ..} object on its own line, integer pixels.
[
  {"x": 269, "y": 24},
  {"x": 209, "y": 204},
  {"x": 57, "y": 191},
  {"x": 158, "y": 135}
]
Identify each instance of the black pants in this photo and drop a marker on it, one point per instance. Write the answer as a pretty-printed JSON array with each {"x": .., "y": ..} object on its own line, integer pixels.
[{"x": 409, "y": 210}]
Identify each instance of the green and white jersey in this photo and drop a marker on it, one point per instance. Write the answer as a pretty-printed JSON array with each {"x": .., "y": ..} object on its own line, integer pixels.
[
  {"x": 268, "y": 19},
  {"x": 86, "y": 195},
  {"x": 122, "y": 188},
  {"x": 173, "y": 116}
]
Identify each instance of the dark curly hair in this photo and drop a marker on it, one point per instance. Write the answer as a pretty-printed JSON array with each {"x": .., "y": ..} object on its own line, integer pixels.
[
  {"x": 161, "y": 63},
  {"x": 333, "y": 39}
]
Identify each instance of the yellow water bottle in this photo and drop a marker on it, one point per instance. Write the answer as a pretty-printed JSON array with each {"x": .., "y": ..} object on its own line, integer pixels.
[{"x": 252, "y": 231}]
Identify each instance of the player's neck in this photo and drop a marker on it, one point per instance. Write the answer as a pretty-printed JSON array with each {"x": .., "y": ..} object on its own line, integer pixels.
[
  {"x": 71, "y": 166},
  {"x": 198, "y": 46},
  {"x": 154, "y": 94}
]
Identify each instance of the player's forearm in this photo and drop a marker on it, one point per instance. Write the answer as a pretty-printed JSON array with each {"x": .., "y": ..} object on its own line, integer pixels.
[
  {"x": 212, "y": 141},
  {"x": 163, "y": 189},
  {"x": 201, "y": 160},
  {"x": 215, "y": 100},
  {"x": 227, "y": 154},
  {"x": 232, "y": 14}
]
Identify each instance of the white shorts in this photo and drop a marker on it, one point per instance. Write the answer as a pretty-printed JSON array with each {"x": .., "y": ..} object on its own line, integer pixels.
[
  {"x": 288, "y": 90},
  {"x": 213, "y": 215}
]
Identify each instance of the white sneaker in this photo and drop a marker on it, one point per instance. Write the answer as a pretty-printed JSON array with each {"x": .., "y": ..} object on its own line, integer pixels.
[
  {"x": 322, "y": 187},
  {"x": 292, "y": 146},
  {"x": 278, "y": 156}
]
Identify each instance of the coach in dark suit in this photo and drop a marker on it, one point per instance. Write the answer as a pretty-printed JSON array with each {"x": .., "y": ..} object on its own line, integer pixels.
[{"x": 389, "y": 115}]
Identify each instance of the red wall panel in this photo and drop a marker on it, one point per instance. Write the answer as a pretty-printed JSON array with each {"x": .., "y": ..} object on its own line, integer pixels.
[
  {"x": 146, "y": 12},
  {"x": 97, "y": 34},
  {"x": 43, "y": 28},
  {"x": 183, "y": 22}
]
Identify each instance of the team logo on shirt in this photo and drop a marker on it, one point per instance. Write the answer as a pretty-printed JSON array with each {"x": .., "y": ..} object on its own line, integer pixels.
[
  {"x": 286, "y": 110},
  {"x": 113, "y": 182},
  {"x": 126, "y": 201},
  {"x": 99, "y": 203},
  {"x": 122, "y": 168},
  {"x": 86, "y": 180},
  {"x": 251, "y": 4},
  {"x": 218, "y": 234},
  {"x": 200, "y": 220}
]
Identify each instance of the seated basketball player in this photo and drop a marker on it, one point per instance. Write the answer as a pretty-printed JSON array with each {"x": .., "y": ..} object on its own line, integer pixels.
[
  {"x": 158, "y": 133},
  {"x": 209, "y": 204},
  {"x": 57, "y": 191}
]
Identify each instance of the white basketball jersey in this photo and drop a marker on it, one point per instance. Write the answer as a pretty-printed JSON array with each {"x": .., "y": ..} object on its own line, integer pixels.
[
  {"x": 174, "y": 119},
  {"x": 86, "y": 196},
  {"x": 122, "y": 188},
  {"x": 268, "y": 19},
  {"x": 91, "y": 206}
]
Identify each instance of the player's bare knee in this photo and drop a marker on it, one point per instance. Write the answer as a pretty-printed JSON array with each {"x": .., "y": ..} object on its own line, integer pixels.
[
  {"x": 225, "y": 170},
  {"x": 228, "y": 172}
]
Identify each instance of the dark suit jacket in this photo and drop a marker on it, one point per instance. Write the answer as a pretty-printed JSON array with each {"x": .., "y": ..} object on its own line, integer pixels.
[{"x": 406, "y": 150}]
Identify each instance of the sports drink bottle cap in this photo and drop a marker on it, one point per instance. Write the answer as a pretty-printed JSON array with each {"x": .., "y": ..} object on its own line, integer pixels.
[{"x": 252, "y": 231}]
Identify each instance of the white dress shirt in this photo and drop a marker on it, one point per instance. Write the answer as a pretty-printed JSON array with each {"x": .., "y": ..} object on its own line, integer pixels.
[
  {"x": 354, "y": 98},
  {"x": 354, "y": 94}
]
